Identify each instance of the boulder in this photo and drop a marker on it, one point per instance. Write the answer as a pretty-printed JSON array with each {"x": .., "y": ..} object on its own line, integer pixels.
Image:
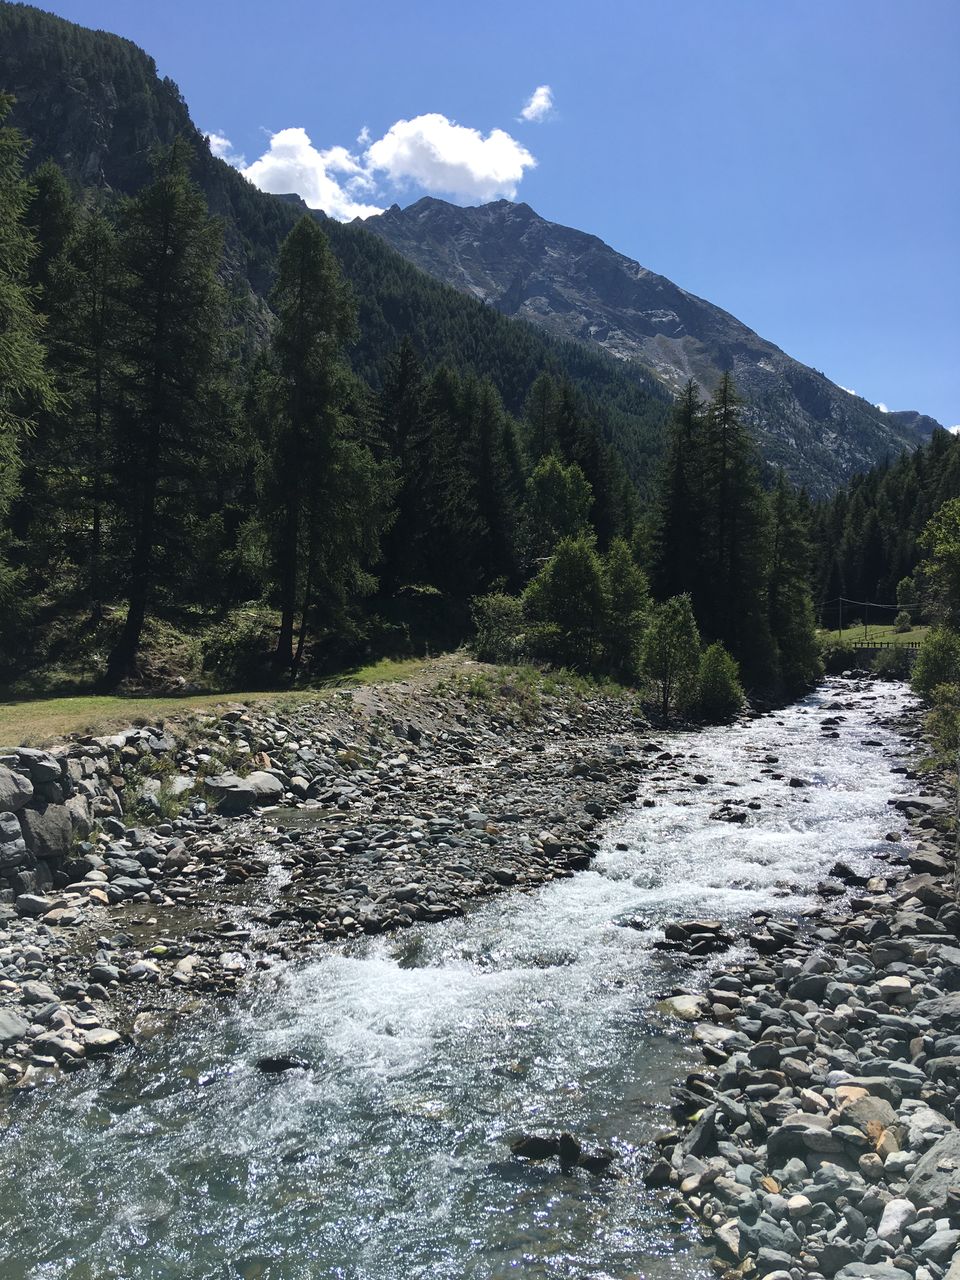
[
  {"x": 13, "y": 1026},
  {"x": 267, "y": 788},
  {"x": 937, "y": 1173},
  {"x": 16, "y": 791},
  {"x": 33, "y": 904},
  {"x": 48, "y": 832}
]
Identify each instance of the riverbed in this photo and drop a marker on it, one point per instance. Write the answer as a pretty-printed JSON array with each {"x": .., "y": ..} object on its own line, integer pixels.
[{"x": 429, "y": 1050}]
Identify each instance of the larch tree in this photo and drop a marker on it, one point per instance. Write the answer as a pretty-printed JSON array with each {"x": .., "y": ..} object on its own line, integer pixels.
[{"x": 171, "y": 334}]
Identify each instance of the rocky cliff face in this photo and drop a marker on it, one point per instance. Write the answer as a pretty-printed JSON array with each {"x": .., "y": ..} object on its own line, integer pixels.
[{"x": 575, "y": 286}]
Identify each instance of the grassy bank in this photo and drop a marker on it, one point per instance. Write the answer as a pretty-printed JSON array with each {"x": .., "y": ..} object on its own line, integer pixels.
[{"x": 35, "y": 721}]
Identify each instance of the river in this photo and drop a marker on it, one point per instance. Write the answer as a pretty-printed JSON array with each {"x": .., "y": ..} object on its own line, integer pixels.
[{"x": 388, "y": 1160}]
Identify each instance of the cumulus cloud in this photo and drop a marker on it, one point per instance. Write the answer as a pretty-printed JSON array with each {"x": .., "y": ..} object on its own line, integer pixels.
[
  {"x": 955, "y": 430},
  {"x": 330, "y": 180},
  {"x": 223, "y": 147},
  {"x": 430, "y": 151},
  {"x": 883, "y": 408},
  {"x": 848, "y": 390},
  {"x": 441, "y": 156},
  {"x": 539, "y": 105}
]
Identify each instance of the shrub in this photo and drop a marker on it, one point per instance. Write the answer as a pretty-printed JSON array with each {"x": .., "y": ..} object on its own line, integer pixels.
[
  {"x": 671, "y": 654},
  {"x": 892, "y": 664},
  {"x": 902, "y": 622},
  {"x": 720, "y": 696},
  {"x": 837, "y": 655},
  {"x": 938, "y": 662},
  {"x": 498, "y": 619}
]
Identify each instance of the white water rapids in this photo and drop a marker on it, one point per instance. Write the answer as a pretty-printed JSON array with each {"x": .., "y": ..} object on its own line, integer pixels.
[{"x": 388, "y": 1160}]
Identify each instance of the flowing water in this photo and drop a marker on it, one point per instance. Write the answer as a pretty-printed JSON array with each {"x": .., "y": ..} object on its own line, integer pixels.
[{"x": 429, "y": 1050}]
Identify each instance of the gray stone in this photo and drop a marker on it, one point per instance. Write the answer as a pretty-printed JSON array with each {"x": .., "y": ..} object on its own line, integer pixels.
[
  {"x": 872, "y": 1271},
  {"x": 941, "y": 1246},
  {"x": 937, "y": 1173},
  {"x": 48, "y": 832},
  {"x": 16, "y": 791},
  {"x": 33, "y": 904},
  {"x": 13, "y": 1026},
  {"x": 41, "y": 765}
]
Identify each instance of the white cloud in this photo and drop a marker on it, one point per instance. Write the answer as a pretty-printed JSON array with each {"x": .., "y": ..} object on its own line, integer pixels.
[
  {"x": 329, "y": 180},
  {"x": 954, "y": 430},
  {"x": 848, "y": 390},
  {"x": 223, "y": 148},
  {"x": 430, "y": 151},
  {"x": 539, "y": 105},
  {"x": 441, "y": 156},
  {"x": 883, "y": 408}
]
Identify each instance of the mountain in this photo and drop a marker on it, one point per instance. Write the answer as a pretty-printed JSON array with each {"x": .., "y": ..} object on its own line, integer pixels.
[
  {"x": 561, "y": 300},
  {"x": 574, "y": 286},
  {"x": 95, "y": 104}
]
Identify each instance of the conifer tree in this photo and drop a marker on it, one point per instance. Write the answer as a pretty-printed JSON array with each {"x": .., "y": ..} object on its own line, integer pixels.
[
  {"x": 788, "y": 591},
  {"x": 731, "y": 604},
  {"x": 324, "y": 494},
  {"x": 25, "y": 387},
  {"x": 678, "y": 544},
  {"x": 171, "y": 336},
  {"x": 627, "y": 606}
]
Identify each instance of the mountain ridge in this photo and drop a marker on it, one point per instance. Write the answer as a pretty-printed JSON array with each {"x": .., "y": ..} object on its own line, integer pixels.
[{"x": 572, "y": 284}]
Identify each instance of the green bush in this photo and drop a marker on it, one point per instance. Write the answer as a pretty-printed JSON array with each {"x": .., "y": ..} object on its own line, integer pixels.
[
  {"x": 720, "y": 695},
  {"x": 837, "y": 655},
  {"x": 892, "y": 664},
  {"x": 498, "y": 619},
  {"x": 943, "y": 722},
  {"x": 938, "y": 662},
  {"x": 670, "y": 657},
  {"x": 902, "y": 622},
  {"x": 238, "y": 652}
]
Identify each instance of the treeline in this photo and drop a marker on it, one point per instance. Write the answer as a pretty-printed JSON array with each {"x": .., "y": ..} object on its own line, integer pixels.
[{"x": 867, "y": 538}]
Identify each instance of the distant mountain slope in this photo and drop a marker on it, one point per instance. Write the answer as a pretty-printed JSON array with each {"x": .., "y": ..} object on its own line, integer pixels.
[
  {"x": 573, "y": 285},
  {"x": 95, "y": 103}
]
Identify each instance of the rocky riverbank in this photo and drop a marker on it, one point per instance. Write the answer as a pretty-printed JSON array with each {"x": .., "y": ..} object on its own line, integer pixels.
[
  {"x": 277, "y": 830},
  {"x": 820, "y": 1139}
]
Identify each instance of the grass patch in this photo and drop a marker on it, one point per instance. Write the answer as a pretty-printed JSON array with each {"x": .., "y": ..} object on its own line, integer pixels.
[
  {"x": 36, "y": 721},
  {"x": 850, "y": 635}
]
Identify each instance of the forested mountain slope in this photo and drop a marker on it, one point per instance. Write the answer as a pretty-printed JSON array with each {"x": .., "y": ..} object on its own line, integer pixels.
[
  {"x": 95, "y": 104},
  {"x": 574, "y": 286}
]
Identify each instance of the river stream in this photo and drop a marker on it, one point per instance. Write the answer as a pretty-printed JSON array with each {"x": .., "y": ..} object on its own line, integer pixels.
[{"x": 429, "y": 1050}]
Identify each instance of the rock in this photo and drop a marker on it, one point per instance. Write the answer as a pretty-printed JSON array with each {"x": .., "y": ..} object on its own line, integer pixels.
[
  {"x": 38, "y": 993},
  {"x": 100, "y": 1040},
  {"x": 598, "y": 1161},
  {"x": 272, "y": 1066},
  {"x": 533, "y": 1147},
  {"x": 687, "y": 1008},
  {"x": 568, "y": 1150},
  {"x": 266, "y": 788},
  {"x": 941, "y": 1246},
  {"x": 872, "y": 1271},
  {"x": 16, "y": 791},
  {"x": 937, "y": 1173},
  {"x": 33, "y": 904},
  {"x": 896, "y": 1216},
  {"x": 48, "y": 832},
  {"x": 13, "y": 1026}
]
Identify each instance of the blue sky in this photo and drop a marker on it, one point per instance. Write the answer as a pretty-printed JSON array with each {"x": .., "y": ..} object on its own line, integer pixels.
[{"x": 794, "y": 161}]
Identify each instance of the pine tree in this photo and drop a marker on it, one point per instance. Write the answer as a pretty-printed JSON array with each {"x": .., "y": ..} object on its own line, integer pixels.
[
  {"x": 324, "y": 494},
  {"x": 678, "y": 545},
  {"x": 788, "y": 591},
  {"x": 541, "y": 415},
  {"x": 732, "y": 602},
  {"x": 25, "y": 387},
  {"x": 567, "y": 603},
  {"x": 170, "y": 339}
]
